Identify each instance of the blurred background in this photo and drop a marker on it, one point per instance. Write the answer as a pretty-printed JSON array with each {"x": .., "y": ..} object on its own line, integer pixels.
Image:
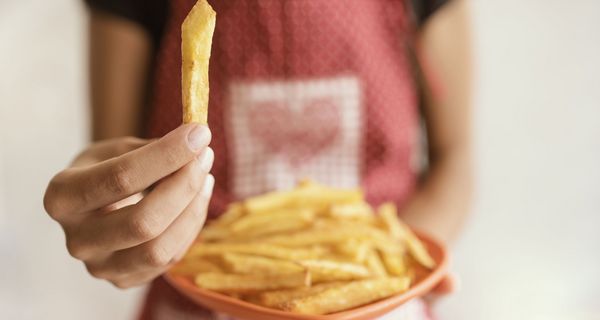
[{"x": 531, "y": 249}]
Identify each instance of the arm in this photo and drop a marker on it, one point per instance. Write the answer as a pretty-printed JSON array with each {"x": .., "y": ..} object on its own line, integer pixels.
[
  {"x": 120, "y": 58},
  {"x": 442, "y": 201}
]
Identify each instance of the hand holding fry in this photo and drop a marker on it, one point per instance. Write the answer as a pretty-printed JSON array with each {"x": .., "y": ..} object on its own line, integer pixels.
[{"x": 130, "y": 207}]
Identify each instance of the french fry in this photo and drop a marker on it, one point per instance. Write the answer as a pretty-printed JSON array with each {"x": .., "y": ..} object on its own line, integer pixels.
[
  {"x": 309, "y": 195},
  {"x": 269, "y": 202},
  {"x": 247, "y": 264},
  {"x": 259, "y": 249},
  {"x": 215, "y": 232},
  {"x": 356, "y": 293},
  {"x": 276, "y": 298},
  {"x": 196, "y": 41},
  {"x": 332, "y": 232},
  {"x": 319, "y": 196},
  {"x": 309, "y": 238},
  {"x": 359, "y": 211},
  {"x": 255, "y": 225},
  {"x": 219, "y": 229},
  {"x": 243, "y": 283},
  {"x": 394, "y": 264},
  {"x": 401, "y": 231},
  {"x": 311, "y": 250},
  {"x": 355, "y": 250},
  {"x": 194, "y": 267},
  {"x": 375, "y": 264},
  {"x": 276, "y": 226},
  {"x": 234, "y": 212},
  {"x": 389, "y": 216},
  {"x": 326, "y": 271},
  {"x": 306, "y": 182}
]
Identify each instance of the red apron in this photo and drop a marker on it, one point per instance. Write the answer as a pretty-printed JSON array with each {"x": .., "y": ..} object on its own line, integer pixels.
[{"x": 320, "y": 89}]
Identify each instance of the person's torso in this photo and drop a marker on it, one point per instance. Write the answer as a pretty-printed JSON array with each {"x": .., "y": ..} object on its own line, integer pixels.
[{"x": 317, "y": 89}]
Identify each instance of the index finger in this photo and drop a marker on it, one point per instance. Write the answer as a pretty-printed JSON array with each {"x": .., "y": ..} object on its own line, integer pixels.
[{"x": 89, "y": 188}]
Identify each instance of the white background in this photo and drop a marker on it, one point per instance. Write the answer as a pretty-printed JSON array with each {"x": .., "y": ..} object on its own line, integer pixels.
[{"x": 530, "y": 251}]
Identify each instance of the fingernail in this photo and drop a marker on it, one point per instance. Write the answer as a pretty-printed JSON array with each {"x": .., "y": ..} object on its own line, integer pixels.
[
  {"x": 209, "y": 184},
  {"x": 199, "y": 138},
  {"x": 206, "y": 159}
]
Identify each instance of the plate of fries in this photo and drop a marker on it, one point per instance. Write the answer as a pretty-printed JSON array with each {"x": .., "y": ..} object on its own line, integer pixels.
[{"x": 313, "y": 252}]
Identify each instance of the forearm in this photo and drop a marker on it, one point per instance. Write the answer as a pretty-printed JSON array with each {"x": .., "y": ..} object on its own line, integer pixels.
[
  {"x": 120, "y": 58},
  {"x": 442, "y": 201}
]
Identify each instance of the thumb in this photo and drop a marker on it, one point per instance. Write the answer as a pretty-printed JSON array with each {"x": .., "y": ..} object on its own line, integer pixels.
[{"x": 448, "y": 285}]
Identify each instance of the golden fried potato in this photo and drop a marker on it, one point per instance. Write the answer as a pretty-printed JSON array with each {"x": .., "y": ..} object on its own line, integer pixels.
[
  {"x": 277, "y": 298},
  {"x": 311, "y": 250},
  {"x": 242, "y": 283},
  {"x": 280, "y": 221},
  {"x": 326, "y": 270},
  {"x": 356, "y": 250},
  {"x": 308, "y": 195},
  {"x": 347, "y": 296},
  {"x": 375, "y": 264},
  {"x": 248, "y": 264},
  {"x": 194, "y": 267},
  {"x": 259, "y": 249},
  {"x": 401, "y": 231},
  {"x": 196, "y": 42},
  {"x": 394, "y": 264}
]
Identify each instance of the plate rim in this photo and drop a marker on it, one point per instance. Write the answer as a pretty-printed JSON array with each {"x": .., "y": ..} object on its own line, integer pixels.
[{"x": 186, "y": 288}]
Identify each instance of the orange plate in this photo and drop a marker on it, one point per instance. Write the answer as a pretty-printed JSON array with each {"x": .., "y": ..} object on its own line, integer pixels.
[{"x": 426, "y": 281}]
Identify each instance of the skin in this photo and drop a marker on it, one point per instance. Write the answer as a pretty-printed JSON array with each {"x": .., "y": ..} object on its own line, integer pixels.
[
  {"x": 442, "y": 201},
  {"x": 130, "y": 208}
]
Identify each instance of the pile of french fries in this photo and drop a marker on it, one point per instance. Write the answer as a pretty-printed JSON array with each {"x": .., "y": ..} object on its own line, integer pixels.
[{"x": 311, "y": 250}]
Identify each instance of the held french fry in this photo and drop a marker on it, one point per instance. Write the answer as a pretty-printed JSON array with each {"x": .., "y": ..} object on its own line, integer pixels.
[
  {"x": 196, "y": 42},
  {"x": 242, "y": 283},
  {"x": 350, "y": 295}
]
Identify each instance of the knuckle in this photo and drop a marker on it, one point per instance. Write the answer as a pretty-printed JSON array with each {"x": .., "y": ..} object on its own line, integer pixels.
[
  {"x": 97, "y": 272},
  {"x": 194, "y": 183},
  {"x": 120, "y": 181},
  {"x": 172, "y": 159},
  {"x": 130, "y": 141},
  {"x": 199, "y": 213},
  {"x": 127, "y": 144},
  {"x": 53, "y": 202},
  {"x": 122, "y": 284},
  {"x": 50, "y": 204},
  {"x": 157, "y": 256},
  {"x": 143, "y": 229},
  {"x": 76, "y": 249}
]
